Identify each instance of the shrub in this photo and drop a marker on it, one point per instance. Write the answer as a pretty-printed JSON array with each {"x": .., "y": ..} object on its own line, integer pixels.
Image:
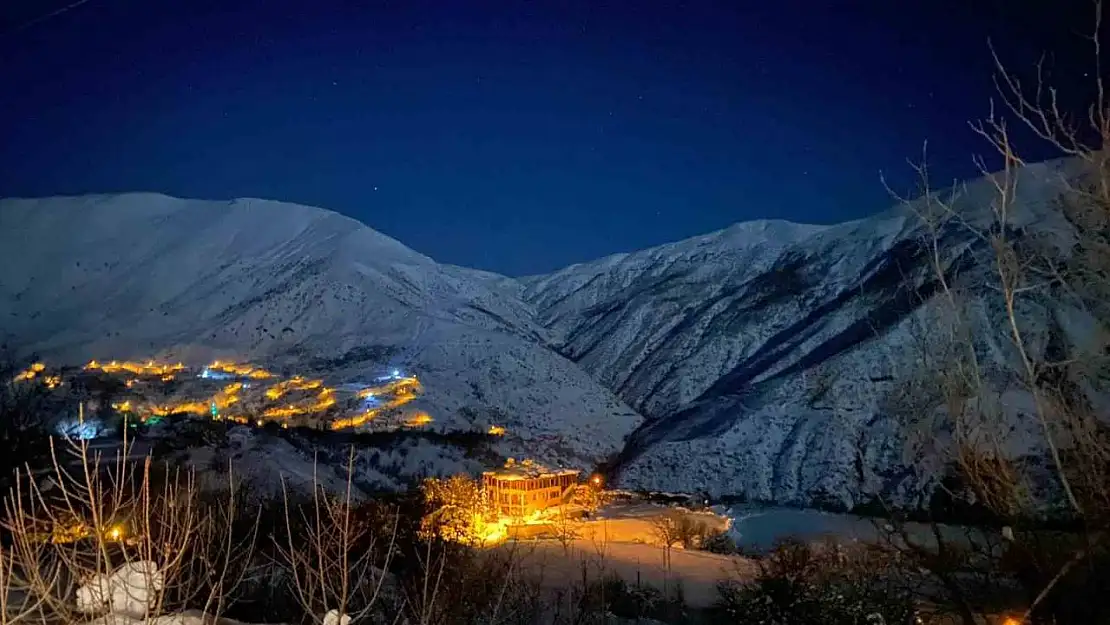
[
  {"x": 611, "y": 595},
  {"x": 799, "y": 585},
  {"x": 93, "y": 517},
  {"x": 24, "y": 437},
  {"x": 719, "y": 542},
  {"x": 456, "y": 509}
]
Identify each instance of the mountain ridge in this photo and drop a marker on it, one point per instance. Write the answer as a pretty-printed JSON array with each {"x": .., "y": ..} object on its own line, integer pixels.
[
  {"x": 721, "y": 349},
  {"x": 147, "y": 276},
  {"x": 751, "y": 360}
]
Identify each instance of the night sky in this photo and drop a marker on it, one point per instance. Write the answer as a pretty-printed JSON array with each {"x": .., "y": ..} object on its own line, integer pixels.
[{"x": 517, "y": 137}]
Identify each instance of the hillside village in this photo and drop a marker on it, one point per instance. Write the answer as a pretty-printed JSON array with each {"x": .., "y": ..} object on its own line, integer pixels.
[
  {"x": 149, "y": 392},
  {"x": 518, "y": 499}
]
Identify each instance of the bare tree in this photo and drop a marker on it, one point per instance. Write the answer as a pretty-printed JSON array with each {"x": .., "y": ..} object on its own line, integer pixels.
[
  {"x": 566, "y": 529},
  {"x": 457, "y": 509},
  {"x": 669, "y": 530},
  {"x": 591, "y": 497},
  {"x": 1028, "y": 338},
  {"x": 332, "y": 556},
  {"x": 75, "y": 530},
  {"x": 24, "y": 438}
]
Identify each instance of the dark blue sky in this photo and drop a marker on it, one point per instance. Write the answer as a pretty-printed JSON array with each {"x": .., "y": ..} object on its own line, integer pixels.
[{"x": 511, "y": 136}]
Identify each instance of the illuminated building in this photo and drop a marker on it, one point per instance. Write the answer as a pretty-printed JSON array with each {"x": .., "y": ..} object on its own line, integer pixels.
[{"x": 523, "y": 489}]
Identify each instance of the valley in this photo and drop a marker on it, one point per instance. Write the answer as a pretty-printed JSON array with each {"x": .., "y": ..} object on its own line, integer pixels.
[
  {"x": 756, "y": 362},
  {"x": 574, "y": 313}
]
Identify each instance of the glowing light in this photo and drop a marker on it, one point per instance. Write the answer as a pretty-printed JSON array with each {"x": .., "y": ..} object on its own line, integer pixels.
[
  {"x": 208, "y": 374},
  {"x": 292, "y": 397},
  {"x": 30, "y": 372},
  {"x": 324, "y": 399},
  {"x": 596, "y": 480},
  {"x": 115, "y": 532},
  {"x": 51, "y": 381},
  {"x": 400, "y": 385},
  {"x": 241, "y": 370},
  {"x": 79, "y": 428},
  {"x": 496, "y": 430},
  {"x": 488, "y": 532},
  {"x": 220, "y": 401},
  {"x": 419, "y": 419},
  {"x": 63, "y": 535},
  {"x": 354, "y": 421},
  {"x": 148, "y": 368},
  {"x": 191, "y": 407},
  {"x": 296, "y": 383}
]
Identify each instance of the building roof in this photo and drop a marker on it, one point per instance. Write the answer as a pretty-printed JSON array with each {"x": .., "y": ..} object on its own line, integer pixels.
[{"x": 527, "y": 469}]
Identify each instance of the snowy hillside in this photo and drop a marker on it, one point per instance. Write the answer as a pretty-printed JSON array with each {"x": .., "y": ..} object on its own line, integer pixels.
[
  {"x": 761, "y": 354},
  {"x": 140, "y": 276}
]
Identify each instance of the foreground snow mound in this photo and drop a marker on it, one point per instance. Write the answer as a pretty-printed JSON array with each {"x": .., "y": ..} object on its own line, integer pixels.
[
  {"x": 127, "y": 595},
  {"x": 130, "y": 590},
  {"x": 141, "y": 276},
  {"x": 763, "y": 355}
]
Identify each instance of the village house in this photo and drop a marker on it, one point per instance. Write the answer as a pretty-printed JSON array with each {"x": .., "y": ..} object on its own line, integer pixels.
[{"x": 522, "y": 489}]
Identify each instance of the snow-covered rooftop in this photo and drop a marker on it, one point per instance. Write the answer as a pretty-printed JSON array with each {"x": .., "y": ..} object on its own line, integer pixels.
[{"x": 527, "y": 469}]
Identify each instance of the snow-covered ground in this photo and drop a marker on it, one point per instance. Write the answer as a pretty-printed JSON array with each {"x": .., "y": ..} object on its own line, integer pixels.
[
  {"x": 621, "y": 541},
  {"x": 697, "y": 571},
  {"x": 632, "y": 522},
  {"x": 755, "y": 529}
]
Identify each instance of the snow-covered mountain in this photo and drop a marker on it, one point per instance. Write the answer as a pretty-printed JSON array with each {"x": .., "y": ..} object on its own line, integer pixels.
[
  {"x": 762, "y": 355},
  {"x": 140, "y": 276}
]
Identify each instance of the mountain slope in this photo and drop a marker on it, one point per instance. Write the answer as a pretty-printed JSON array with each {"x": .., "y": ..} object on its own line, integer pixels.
[
  {"x": 762, "y": 355},
  {"x": 142, "y": 275},
  {"x": 763, "y": 358}
]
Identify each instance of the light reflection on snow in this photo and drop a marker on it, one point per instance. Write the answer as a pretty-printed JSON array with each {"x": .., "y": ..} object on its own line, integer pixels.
[{"x": 79, "y": 429}]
